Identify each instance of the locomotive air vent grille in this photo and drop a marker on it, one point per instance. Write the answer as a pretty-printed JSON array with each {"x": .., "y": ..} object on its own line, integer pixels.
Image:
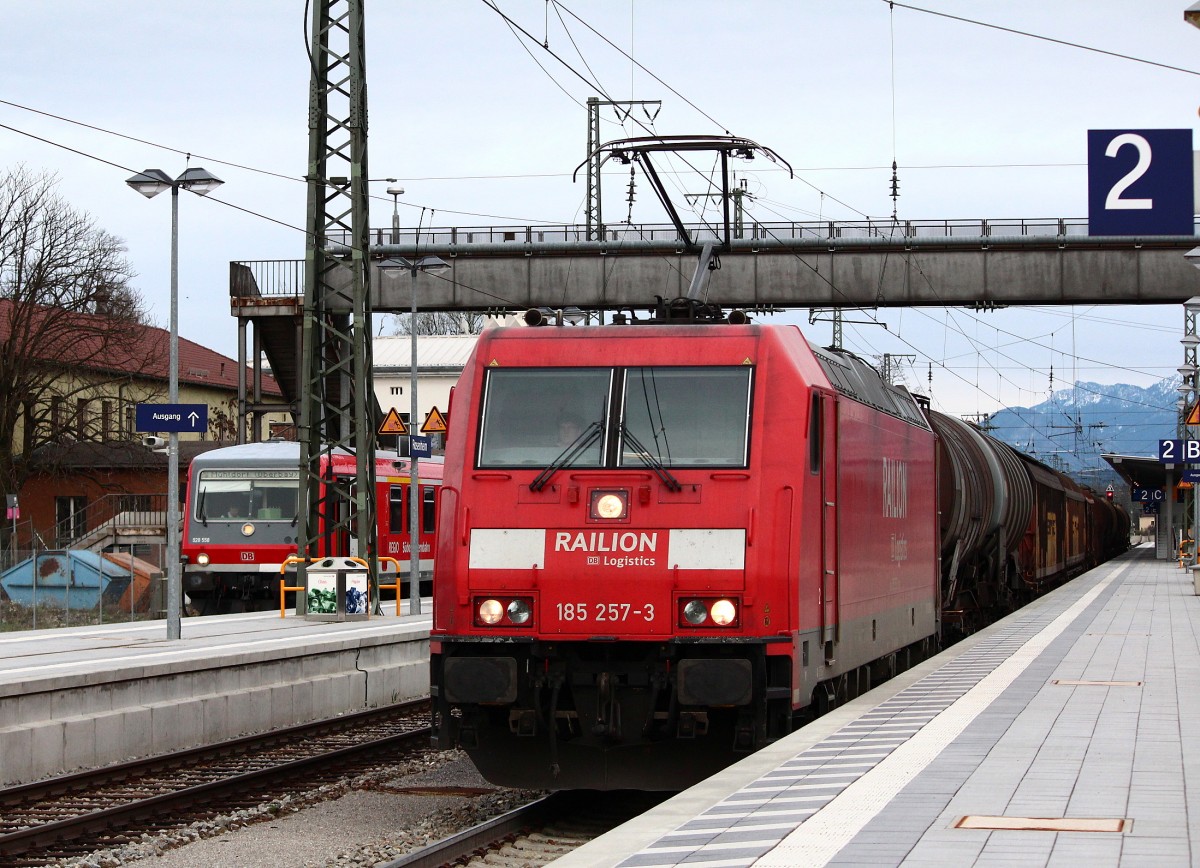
[{"x": 1046, "y": 824}]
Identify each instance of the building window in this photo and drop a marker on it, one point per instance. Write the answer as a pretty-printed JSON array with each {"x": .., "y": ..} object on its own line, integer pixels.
[
  {"x": 56, "y": 416},
  {"x": 106, "y": 420},
  {"x": 70, "y": 520},
  {"x": 82, "y": 418}
]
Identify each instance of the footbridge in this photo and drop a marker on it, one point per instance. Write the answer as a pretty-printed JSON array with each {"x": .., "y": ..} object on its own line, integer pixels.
[{"x": 761, "y": 266}]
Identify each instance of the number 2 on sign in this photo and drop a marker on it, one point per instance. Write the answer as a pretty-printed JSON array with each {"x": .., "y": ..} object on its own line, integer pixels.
[
  {"x": 1171, "y": 451},
  {"x": 1114, "y": 202}
]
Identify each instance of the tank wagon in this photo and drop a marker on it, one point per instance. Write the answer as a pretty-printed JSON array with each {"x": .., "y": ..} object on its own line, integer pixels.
[
  {"x": 241, "y": 520},
  {"x": 1011, "y": 527},
  {"x": 665, "y": 545}
]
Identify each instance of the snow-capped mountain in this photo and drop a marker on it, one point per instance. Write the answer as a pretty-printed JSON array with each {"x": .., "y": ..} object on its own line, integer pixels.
[{"x": 1074, "y": 426}]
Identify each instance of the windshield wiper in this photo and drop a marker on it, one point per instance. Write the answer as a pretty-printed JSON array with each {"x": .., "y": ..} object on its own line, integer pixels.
[
  {"x": 574, "y": 449},
  {"x": 651, "y": 461},
  {"x": 200, "y": 509}
]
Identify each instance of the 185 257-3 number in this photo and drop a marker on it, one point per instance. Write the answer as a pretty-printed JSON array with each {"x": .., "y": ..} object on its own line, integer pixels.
[{"x": 604, "y": 611}]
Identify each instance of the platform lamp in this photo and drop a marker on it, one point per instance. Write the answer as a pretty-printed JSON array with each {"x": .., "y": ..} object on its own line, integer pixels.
[
  {"x": 430, "y": 265},
  {"x": 395, "y": 193},
  {"x": 150, "y": 183}
]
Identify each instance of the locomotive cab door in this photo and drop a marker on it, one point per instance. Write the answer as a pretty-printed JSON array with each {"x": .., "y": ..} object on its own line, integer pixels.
[{"x": 829, "y": 524}]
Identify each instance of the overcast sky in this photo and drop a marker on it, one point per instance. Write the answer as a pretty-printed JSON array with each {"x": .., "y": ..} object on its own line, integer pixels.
[{"x": 483, "y": 126}]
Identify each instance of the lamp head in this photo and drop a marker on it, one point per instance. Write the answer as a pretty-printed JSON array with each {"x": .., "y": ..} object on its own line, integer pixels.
[
  {"x": 395, "y": 191},
  {"x": 199, "y": 181},
  {"x": 1192, "y": 15},
  {"x": 151, "y": 182},
  {"x": 432, "y": 264}
]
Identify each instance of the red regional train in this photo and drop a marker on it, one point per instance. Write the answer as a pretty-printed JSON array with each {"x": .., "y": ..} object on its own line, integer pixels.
[
  {"x": 667, "y": 544},
  {"x": 241, "y": 520}
]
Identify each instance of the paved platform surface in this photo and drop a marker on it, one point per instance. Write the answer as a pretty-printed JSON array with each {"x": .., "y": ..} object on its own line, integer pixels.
[
  {"x": 1077, "y": 715},
  {"x": 81, "y": 697},
  {"x": 72, "y": 652}
]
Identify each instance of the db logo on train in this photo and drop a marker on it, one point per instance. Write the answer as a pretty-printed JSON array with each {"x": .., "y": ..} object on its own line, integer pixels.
[{"x": 247, "y": 556}]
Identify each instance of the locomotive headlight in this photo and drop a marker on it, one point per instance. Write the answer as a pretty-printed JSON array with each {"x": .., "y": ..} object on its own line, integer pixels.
[
  {"x": 695, "y": 612},
  {"x": 247, "y": 529},
  {"x": 504, "y": 612},
  {"x": 491, "y": 611},
  {"x": 609, "y": 505},
  {"x": 519, "y": 611},
  {"x": 724, "y": 613},
  {"x": 709, "y": 612},
  {"x": 202, "y": 559}
]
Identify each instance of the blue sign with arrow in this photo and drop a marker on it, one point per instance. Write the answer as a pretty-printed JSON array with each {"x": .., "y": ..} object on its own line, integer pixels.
[{"x": 172, "y": 418}]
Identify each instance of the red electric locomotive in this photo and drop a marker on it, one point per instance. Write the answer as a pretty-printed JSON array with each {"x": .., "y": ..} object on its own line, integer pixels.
[
  {"x": 666, "y": 545},
  {"x": 241, "y": 517}
]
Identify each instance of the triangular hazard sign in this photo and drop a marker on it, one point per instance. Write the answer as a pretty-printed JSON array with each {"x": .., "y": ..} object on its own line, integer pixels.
[
  {"x": 435, "y": 423},
  {"x": 1194, "y": 415},
  {"x": 393, "y": 424}
]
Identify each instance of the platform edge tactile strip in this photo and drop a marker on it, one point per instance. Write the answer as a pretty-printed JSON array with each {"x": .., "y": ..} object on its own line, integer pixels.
[{"x": 953, "y": 696}]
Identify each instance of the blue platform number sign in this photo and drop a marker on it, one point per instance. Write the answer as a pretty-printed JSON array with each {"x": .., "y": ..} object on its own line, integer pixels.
[
  {"x": 1140, "y": 182},
  {"x": 1178, "y": 451}
]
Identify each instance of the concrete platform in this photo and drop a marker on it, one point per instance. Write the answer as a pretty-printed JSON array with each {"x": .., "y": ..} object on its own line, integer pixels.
[
  {"x": 1018, "y": 746},
  {"x": 88, "y": 696}
]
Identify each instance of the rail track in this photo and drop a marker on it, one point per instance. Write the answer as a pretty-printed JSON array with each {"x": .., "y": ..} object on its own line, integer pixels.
[
  {"x": 75, "y": 814},
  {"x": 537, "y": 833}
]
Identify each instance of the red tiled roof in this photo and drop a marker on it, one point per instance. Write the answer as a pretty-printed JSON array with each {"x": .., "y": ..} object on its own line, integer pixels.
[{"x": 145, "y": 352}]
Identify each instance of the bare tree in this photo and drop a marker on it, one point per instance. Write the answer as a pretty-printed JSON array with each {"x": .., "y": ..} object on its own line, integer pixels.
[
  {"x": 74, "y": 348},
  {"x": 467, "y": 322},
  {"x": 222, "y": 422}
]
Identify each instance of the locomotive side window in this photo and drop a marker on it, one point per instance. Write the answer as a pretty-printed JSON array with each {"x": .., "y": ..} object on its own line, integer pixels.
[
  {"x": 814, "y": 434},
  {"x": 686, "y": 417},
  {"x": 531, "y": 416},
  {"x": 264, "y": 495}
]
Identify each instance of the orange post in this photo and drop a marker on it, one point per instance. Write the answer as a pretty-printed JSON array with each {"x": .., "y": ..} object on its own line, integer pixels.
[{"x": 395, "y": 587}]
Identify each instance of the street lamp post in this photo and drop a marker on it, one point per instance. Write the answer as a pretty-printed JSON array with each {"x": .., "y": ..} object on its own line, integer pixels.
[
  {"x": 150, "y": 183},
  {"x": 432, "y": 265},
  {"x": 395, "y": 193}
]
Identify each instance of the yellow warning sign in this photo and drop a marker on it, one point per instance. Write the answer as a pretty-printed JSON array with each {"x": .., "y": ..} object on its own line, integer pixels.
[
  {"x": 393, "y": 424},
  {"x": 1193, "y": 417},
  {"x": 435, "y": 423}
]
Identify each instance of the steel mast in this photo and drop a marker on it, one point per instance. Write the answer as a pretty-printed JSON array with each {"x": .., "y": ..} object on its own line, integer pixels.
[{"x": 336, "y": 390}]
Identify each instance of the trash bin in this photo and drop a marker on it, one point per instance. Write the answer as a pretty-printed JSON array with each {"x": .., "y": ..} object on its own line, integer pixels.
[{"x": 335, "y": 589}]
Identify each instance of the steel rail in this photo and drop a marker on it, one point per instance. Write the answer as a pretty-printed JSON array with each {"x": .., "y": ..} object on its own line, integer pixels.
[{"x": 63, "y": 831}]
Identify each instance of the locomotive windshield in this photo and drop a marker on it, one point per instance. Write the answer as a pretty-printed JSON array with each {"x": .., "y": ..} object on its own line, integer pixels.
[
  {"x": 686, "y": 417},
  {"x": 270, "y": 495},
  {"x": 670, "y": 417},
  {"x": 531, "y": 415}
]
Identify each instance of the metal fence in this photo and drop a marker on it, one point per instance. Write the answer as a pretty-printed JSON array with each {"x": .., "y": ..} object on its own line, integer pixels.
[
  {"x": 47, "y": 610},
  {"x": 133, "y": 524}
]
